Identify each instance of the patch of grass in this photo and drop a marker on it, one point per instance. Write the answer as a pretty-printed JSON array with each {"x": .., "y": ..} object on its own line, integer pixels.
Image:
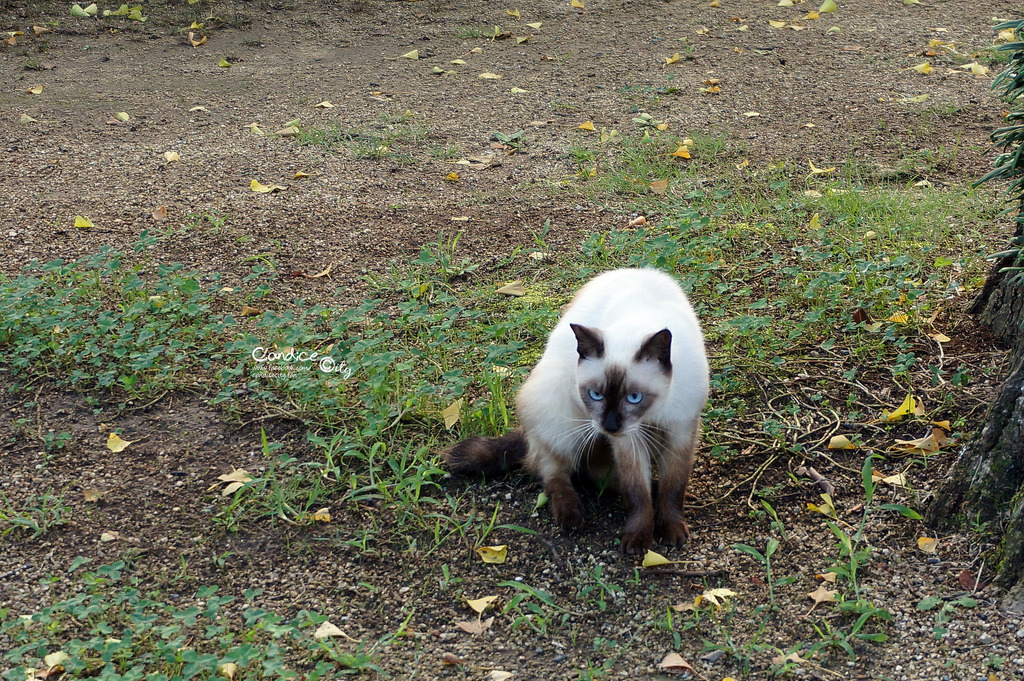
[
  {"x": 813, "y": 287},
  {"x": 396, "y": 137},
  {"x": 37, "y": 515},
  {"x": 112, "y": 630}
]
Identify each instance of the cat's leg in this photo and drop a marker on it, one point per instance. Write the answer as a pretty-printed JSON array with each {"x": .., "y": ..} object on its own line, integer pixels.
[
  {"x": 555, "y": 472},
  {"x": 633, "y": 468},
  {"x": 675, "y": 465}
]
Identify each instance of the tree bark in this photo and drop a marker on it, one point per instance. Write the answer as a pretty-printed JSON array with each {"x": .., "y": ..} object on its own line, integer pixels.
[{"x": 986, "y": 484}]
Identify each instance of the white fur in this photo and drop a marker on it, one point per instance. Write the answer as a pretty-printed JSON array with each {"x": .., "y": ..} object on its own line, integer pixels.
[{"x": 626, "y": 306}]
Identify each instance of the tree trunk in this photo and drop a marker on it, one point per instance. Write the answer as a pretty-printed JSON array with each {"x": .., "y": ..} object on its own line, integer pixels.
[{"x": 986, "y": 484}]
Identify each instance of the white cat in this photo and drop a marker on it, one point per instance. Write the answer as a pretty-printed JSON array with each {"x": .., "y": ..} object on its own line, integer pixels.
[{"x": 622, "y": 382}]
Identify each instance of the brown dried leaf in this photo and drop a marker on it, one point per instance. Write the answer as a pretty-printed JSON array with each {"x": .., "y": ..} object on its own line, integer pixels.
[
  {"x": 675, "y": 662},
  {"x": 968, "y": 580},
  {"x": 452, "y": 659},
  {"x": 475, "y": 626}
]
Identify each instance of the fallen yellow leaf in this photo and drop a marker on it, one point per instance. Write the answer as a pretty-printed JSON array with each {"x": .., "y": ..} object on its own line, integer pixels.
[
  {"x": 481, "y": 604},
  {"x": 828, "y": 6},
  {"x": 659, "y": 186},
  {"x": 929, "y": 444},
  {"x": 576, "y": 3},
  {"x": 489, "y": 76},
  {"x": 819, "y": 171},
  {"x": 923, "y": 67},
  {"x": 927, "y": 544},
  {"x": 415, "y": 54},
  {"x": 776, "y": 24},
  {"x": 653, "y": 559},
  {"x": 826, "y": 508},
  {"x": 171, "y": 156},
  {"x": 672, "y": 60},
  {"x": 451, "y": 413},
  {"x": 717, "y": 595},
  {"x": 323, "y": 105},
  {"x": 116, "y": 444},
  {"x": 515, "y": 289},
  {"x": 587, "y": 126},
  {"x": 493, "y": 554},
  {"x": 322, "y": 516},
  {"x": 840, "y": 442},
  {"x": 974, "y": 67},
  {"x": 35, "y": 90},
  {"x": 257, "y": 186},
  {"x": 822, "y": 595},
  {"x": 83, "y": 222},
  {"x": 224, "y": 63},
  {"x": 901, "y": 411},
  {"x": 681, "y": 152}
]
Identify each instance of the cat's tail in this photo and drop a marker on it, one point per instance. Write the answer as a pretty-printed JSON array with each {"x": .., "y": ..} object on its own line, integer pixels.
[{"x": 487, "y": 455}]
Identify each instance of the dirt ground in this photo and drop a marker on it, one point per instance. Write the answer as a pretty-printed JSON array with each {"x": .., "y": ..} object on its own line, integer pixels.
[{"x": 601, "y": 63}]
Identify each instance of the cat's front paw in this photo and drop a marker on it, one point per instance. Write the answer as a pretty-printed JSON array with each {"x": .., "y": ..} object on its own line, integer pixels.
[
  {"x": 567, "y": 509},
  {"x": 675, "y": 533},
  {"x": 637, "y": 542}
]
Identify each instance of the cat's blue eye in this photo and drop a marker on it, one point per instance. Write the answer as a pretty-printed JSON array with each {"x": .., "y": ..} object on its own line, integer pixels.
[
  {"x": 594, "y": 395},
  {"x": 635, "y": 398}
]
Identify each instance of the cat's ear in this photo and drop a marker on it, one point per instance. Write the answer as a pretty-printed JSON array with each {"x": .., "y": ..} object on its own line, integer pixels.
[
  {"x": 657, "y": 347},
  {"x": 589, "y": 343}
]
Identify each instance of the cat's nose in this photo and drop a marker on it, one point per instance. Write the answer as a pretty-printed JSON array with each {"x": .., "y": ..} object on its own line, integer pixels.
[{"x": 611, "y": 422}]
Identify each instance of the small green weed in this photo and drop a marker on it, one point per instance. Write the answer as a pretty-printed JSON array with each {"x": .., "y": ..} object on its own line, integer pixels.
[
  {"x": 37, "y": 515},
  {"x": 944, "y": 609}
]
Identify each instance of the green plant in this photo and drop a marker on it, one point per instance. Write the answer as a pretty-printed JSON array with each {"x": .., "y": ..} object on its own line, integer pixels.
[
  {"x": 439, "y": 256},
  {"x": 534, "y": 608},
  {"x": 513, "y": 140},
  {"x": 53, "y": 441},
  {"x": 110, "y": 630},
  {"x": 38, "y": 514},
  {"x": 764, "y": 559},
  {"x": 1008, "y": 165},
  {"x": 945, "y": 610},
  {"x": 600, "y": 589}
]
